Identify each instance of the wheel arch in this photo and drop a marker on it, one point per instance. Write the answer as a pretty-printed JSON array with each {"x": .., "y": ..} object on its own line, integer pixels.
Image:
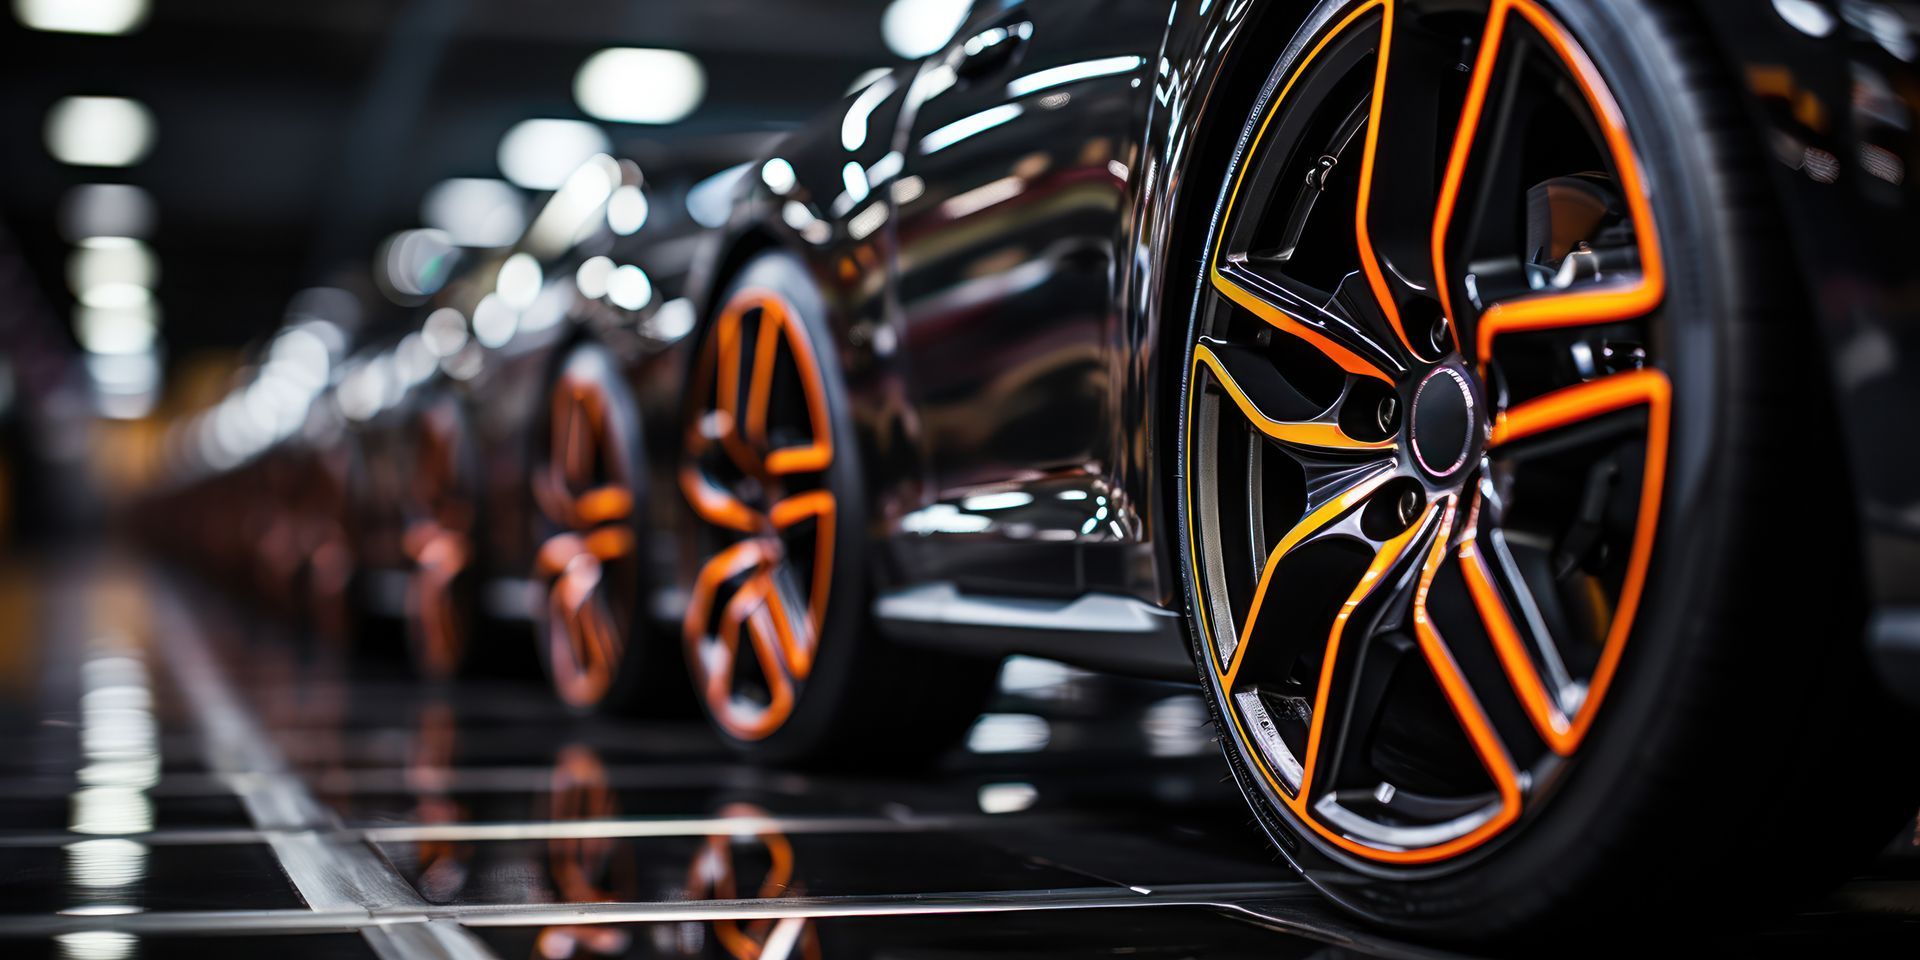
[{"x": 1217, "y": 68}]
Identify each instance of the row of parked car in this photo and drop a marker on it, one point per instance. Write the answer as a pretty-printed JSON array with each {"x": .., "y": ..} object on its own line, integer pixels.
[
  {"x": 441, "y": 478},
  {"x": 1434, "y": 382}
]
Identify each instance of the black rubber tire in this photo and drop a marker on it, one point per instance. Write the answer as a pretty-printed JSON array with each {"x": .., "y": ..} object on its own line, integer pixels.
[
  {"x": 1738, "y": 763},
  {"x": 868, "y": 702}
]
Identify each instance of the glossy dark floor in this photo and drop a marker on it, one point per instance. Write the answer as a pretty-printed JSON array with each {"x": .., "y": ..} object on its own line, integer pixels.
[{"x": 179, "y": 777}]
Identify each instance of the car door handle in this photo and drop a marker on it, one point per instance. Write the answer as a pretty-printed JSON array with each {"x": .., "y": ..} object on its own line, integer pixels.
[{"x": 992, "y": 48}]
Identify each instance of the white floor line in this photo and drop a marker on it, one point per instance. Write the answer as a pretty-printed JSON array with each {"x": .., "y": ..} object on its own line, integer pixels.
[
  {"x": 264, "y": 797},
  {"x": 334, "y": 873},
  {"x": 1223, "y": 895}
]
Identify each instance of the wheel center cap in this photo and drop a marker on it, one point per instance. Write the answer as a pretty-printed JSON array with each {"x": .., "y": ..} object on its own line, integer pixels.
[{"x": 1444, "y": 414}]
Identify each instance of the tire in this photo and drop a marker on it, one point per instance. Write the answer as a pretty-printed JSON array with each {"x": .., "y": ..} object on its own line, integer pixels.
[
  {"x": 589, "y": 491},
  {"x": 779, "y": 536},
  {"x": 1501, "y": 692}
]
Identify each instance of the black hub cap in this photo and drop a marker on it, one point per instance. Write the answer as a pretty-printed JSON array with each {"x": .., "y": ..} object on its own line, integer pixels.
[{"x": 1445, "y": 421}]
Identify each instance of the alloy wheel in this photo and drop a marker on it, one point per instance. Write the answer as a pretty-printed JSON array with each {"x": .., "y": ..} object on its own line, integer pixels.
[
  {"x": 758, "y": 446},
  {"x": 588, "y": 563},
  {"x": 439, "y": 540},
  {"x": 1425, "y": 426}
]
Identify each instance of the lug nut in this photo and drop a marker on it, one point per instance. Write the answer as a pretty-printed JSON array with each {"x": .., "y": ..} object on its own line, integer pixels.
[
  {"x": 1438, "y": 335},
  {"x": 1620, "y": 356},
  {"x": 1385, "y": 413},
  {"x": 1407, "y": 507}
]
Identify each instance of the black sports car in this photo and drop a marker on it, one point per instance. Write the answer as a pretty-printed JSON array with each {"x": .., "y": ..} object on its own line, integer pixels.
[
  {"x": 1504, "y": 404},
  {"x": 1498, "y": 400}
]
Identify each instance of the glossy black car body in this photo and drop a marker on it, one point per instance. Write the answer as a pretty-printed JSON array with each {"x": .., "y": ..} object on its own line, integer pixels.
[{"x": 1006, "y": 232}]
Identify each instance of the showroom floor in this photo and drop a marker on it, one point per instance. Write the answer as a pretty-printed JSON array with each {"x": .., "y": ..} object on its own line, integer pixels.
[{"x": 179, "y": 777}]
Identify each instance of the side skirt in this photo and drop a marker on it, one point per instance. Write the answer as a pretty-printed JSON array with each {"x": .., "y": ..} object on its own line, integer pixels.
[{"x": 1102, "y": 631}]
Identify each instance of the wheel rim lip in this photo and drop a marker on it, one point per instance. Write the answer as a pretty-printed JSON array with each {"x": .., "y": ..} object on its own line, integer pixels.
[{"x": 1647, "y": 291}]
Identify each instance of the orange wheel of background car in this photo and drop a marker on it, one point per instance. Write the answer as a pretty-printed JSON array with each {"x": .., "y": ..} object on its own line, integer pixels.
[
  {"x": 439, "y": 542},
  {"x": 1417, "y": 553},
  {"x": 586, "y": 489},
  {"x": 586, "y": 869},
  {"x": 758, "y": 446},
  {"x": 715, "y": 875}
]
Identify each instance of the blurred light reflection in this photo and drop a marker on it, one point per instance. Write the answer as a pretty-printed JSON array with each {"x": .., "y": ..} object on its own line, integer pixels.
[
  {"x": 627, "y": 210},
  {"x": 1009, "y": 733},
  {"x": 710, "y": 201},
  {"x": 540, "y": 154},
  {"x": 101, "y": 17},
  {"x": 518, "y": 285},
  {"x": 99, "y": 131},
  {"x": 96, "y": 945},
  {"x": 640, "y": 85},
  {"x": 968, "y": 126},
  {"x": 916, "y": 28},
  {"x": 629, "y": 288},
  {"x": 106, "y": 210},
  {"x": 475, "y": 211}
]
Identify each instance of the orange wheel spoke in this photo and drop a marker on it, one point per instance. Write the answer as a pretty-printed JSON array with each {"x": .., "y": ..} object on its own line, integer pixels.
[
  {"x": 714, "y": 505},
  {"x": 1345, "y": 346},
  {"x": 1316, "y": 520},
  {"x": 1248, "y": 381},
  {"x": 1389, "y": 119},
  {"x": 1460, "y": 696},
  {"x": 1385, "y": 560},
  {"x": 1578, "y": 404},
  {"x": 1516, "y": 658},
  {"x": 1634, "y": 295}
]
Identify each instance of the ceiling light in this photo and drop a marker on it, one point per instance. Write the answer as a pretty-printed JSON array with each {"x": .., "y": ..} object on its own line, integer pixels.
[
  {"x": 916, "y": 28},
  {"x": 542, "y": 154},
  {"x": 99, "y": 131},
  {"x": 82, "y": 16},
  {"x": 639, "y": 85},
  {"x": 476, "y": 211}
]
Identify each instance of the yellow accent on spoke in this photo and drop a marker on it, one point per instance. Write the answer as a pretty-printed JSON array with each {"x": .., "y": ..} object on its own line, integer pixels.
[
  {"x": 1319, "y": 519},
  {"x": 1304, "y": 433}
]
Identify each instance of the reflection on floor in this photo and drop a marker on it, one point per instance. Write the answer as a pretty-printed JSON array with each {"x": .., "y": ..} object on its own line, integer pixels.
[{"x": 180, "y": 778}]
